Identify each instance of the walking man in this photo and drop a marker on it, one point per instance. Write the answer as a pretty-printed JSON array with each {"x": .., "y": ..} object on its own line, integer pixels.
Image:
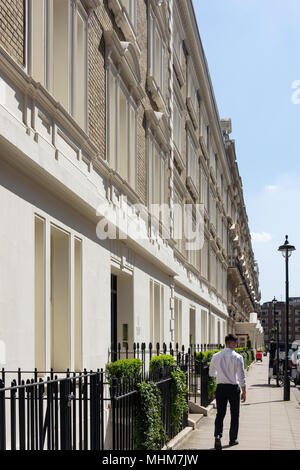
[{"x": 228, "y": 367}]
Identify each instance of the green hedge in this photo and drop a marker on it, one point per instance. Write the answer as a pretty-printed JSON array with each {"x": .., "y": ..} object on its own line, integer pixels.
[
  {"x": 179, "y": 392},
  {"x": 165, "y": 360},
  {"x": 149, "y": 432},
  {"x": 124, "y": 369}
]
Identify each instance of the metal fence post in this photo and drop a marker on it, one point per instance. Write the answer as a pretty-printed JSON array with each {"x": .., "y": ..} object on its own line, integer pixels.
[
  {"x": 203, "y": 381},
  {"x": 113, "y": 406},
  {"x": 2, "y": 417},
  {"x": 13, "y": 415},
  {"x": 65, "y": 414}
]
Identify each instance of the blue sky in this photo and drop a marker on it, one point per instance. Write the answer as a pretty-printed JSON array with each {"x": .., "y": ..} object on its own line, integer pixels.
[{"x": 253, "y": 53}]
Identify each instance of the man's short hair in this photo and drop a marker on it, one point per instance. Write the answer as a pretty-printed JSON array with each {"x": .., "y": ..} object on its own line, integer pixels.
[{"x": 230, "y": 338}]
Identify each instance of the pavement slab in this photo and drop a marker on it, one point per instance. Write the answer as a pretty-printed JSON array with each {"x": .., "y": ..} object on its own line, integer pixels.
[{"x": 267, "y": 422}]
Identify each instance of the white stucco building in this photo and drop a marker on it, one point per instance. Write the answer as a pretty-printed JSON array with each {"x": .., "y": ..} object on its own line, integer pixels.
[{"x": 66, "y": 296}]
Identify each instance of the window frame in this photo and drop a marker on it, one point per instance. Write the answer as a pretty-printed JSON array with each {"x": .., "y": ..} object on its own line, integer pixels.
[
  {"x": 193, "y": 101},
  {"x": 130, "y": 17},
  {"x": 154, "y": 28},
  {"x": 119, "y": 84},
  {"x": 180, "y": 129},
  {"x": 153, "y": 145},
  {"x": 193, "y": 165},
  {"x": 48, "y": 51}
]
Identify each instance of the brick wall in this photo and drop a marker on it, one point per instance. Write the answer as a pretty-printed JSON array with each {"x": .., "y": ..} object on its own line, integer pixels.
[
  {"x": 12, "y": 31},
  {"x": 103, "y": 19}
]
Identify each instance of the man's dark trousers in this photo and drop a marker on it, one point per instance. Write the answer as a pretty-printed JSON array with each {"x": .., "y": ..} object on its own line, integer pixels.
[{"x": 225, "y": 393}]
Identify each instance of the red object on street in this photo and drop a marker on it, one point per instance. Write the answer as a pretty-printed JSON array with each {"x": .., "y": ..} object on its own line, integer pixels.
[{"x": 259, "y": 355}]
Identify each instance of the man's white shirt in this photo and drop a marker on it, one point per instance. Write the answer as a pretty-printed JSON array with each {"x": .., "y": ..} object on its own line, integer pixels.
[{"x": 228, "y": 367}]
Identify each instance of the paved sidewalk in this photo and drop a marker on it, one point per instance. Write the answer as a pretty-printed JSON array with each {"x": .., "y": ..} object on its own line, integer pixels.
[{"x": 266, "y": 421}]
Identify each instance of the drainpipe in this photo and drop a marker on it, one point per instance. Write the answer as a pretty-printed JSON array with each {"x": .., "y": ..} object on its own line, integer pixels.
[{"x": 171, "y": 162}]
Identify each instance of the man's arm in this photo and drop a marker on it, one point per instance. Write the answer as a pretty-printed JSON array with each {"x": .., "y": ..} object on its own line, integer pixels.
[
  {"x": 212, "y": 369},
  {"x": 242, "y": 378}
]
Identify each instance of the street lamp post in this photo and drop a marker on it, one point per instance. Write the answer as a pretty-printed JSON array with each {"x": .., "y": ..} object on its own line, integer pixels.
[
  {"x": 277, "y": 351},
  {"x": 286, "y": 250},
  {"x": 276, "y": 323}
]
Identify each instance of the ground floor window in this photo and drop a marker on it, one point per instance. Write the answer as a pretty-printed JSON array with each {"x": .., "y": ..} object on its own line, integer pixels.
[
  {"x": 178, "y": 322},
  {"x": 156, "y": 313},
  {"x": 204, "y": 327},
  {"x": 58, "y": 270}
]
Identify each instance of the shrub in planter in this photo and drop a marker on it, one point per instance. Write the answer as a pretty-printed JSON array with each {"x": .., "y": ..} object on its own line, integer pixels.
[
  {"x": 149, "y": 432},
  {"x": 161, "y": 362},
  {"x": 124, "y": 369},
  {"x": 179, "y": 392}
]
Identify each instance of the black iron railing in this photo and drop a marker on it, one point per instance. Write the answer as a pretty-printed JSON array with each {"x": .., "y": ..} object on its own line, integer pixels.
[
  {"x": 197, "y": 373},
  {"x": 124, "y": 402},
  {"x": 54, "y": 414},
  {"x": 144, "y": 351},
  {"x": 67, "y": 412}
]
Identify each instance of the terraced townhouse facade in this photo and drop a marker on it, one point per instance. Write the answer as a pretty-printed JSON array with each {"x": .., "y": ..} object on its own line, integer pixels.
[{"x": 106, "y": 105}]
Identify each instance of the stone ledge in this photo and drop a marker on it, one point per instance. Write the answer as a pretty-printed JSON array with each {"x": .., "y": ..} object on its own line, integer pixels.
[
  {"x": 194, "y": 420},
  {"x": 198, "y": 409},
  {"x": 178, "y": 439}
]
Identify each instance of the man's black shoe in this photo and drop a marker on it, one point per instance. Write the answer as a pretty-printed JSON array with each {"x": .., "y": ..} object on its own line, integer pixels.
[
  {"x": 233, "y": 443},
  {"x": 218, "y": 445}
]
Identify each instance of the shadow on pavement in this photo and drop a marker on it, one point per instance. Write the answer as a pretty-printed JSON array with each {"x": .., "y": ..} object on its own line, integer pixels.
[
  {"x": 270, "y": 386},
  {"x": 262, "y": 402},
  {"x": 264, "y": 385}
]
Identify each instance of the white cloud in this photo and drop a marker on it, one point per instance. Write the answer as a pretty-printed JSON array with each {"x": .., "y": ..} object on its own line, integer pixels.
[
  {"x": 272, "y": 187},
  {"x": 261, "y": 237}
]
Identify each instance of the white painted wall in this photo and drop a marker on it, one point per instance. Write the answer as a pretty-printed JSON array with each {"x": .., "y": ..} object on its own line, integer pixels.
[
  {"x": 16, "y": 275},
  {"x": 17, "y": 213}
]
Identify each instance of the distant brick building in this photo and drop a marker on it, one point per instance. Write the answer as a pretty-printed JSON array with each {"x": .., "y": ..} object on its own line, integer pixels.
[{"x": 270, "y": 315}]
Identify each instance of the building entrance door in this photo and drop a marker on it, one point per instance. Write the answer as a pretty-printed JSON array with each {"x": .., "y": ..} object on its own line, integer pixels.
[
  {"x": 192, "y": 326},
  {"x": 114, "y": 317}
]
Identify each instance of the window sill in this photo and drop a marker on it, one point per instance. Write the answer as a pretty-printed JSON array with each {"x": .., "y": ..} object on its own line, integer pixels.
[
  {"x": 191, "y": 185},
  {"x": 204, "y": 148},
  {"x": 156, "y": 94},
  {"x": 123, "y": 22},
  {"x": 178, "y": 69},
  {"x": 178, "y": 158},
  {"x": 213, "y": 175},
  {"x": 212, "y": 230},
  {"x": 157, "y": 123},
  {"x": 192, "y": 112},
  {"x": 219, "y": 243},
  {"x": 91, "y": 4},
  {"x": 126, "y": 56}
]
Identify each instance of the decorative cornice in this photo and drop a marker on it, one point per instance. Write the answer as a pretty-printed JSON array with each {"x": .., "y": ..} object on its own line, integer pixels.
[
  {"x": 156, "y": 93},
  {"x": 158, "y": 123},
  {"x": 158, "y": 10},
  {"x": 125, "y": 57},
  {"x": 192, "y": 112},
  {"x": 91, "y": 5},
  {"x": 123, "y": 21},
  {"x": 190, "y": 184}
]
